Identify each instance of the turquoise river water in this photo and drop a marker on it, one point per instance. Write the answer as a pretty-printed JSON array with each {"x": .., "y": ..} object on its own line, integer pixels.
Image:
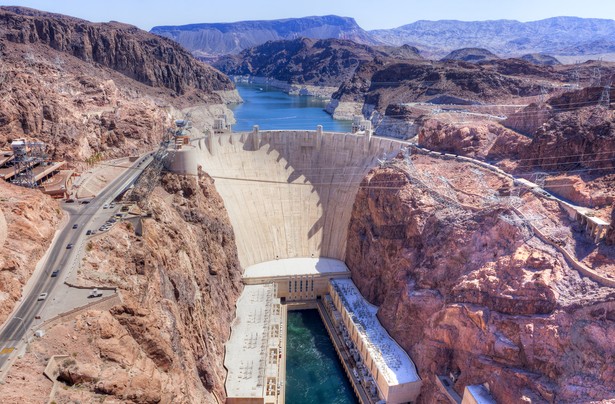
[
  {"x": 270, "y": 108},
  {"x": 314, "y": 374}
]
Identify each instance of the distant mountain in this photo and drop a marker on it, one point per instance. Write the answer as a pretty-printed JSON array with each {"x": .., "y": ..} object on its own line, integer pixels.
[
  {"x": 472, "y": 55},
  {"x": 540, "y": 59},
  {"x": 558, "y": 36},
  {"x": 322, "y": 62},
  {"x": 208, "y": 40},
  {"x": 562, "y": 36}
]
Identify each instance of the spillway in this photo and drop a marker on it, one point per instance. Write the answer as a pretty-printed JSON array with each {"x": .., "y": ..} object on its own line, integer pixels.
[{"x": 288, "y": 193}]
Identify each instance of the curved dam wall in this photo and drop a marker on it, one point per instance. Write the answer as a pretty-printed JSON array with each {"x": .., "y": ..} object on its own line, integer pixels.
[{"x": 288, "y": 193}]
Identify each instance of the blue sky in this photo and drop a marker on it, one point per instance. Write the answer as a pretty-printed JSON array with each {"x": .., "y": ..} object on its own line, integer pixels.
[{"x": 370, "y": 14}]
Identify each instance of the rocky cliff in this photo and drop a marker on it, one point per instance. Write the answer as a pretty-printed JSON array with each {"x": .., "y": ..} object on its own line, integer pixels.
[
  {"x": 146, "y": 58},
  {"x": 95, "y": 91},
  {"x": 28, "y": 221},
  {"x": 211, "y": 40},
  {"x": 325, "y": 62},
  {"x": 468, "y": 293},
  {"x": 385, "y": 84},
  {"x": 178, "y": 281},
  {"x": 572, "y": 131},
  {"x": 482, "y": 140}
]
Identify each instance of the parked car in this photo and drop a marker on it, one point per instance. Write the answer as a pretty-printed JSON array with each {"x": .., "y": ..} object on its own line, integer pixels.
[
  {"x": 42, "y": 296},
  {"x": 87, "y": 233},
  {"x": 106, "y": 206},
  {"x": 95, "y": 293},
  {"x": 69, "y": 246}
]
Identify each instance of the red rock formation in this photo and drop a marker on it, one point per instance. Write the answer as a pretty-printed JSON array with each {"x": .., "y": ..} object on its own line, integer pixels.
[
  {"x": 28, "y": 221},
  {"x": 179, "y": 283},
  {"x": 529, "y": 119},
  {"x": 468, "y": 293},
  {"x": 583, "y": 138},
  {"x": 94, "y": 91},
  {"x": 147, "y": 58},
  {"x": 475, "y": 139}
]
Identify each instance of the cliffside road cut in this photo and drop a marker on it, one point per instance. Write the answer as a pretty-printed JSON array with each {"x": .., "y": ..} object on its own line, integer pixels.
[{"x": 16, "y": 329}]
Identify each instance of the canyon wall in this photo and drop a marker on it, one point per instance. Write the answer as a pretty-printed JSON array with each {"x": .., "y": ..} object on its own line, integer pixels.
[
  {"x": 95, "y": 91},
  {"x": 164, "y": 343},
  {"x": 146, "y": 58},
  {"x": 468, "y": 293},
  {"x": 28, "y": 221}
]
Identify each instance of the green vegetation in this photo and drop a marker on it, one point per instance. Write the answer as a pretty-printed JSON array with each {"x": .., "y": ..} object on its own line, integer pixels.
[{"x": 94, "y": 158}]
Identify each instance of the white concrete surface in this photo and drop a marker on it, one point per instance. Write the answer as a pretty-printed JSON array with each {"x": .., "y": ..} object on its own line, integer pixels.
[
  {"x": 392, "y": 361},
  {"x": 296, "y": 267},
  {"x": 252, "y": 351},
  {"x": 288, "y": 193}
]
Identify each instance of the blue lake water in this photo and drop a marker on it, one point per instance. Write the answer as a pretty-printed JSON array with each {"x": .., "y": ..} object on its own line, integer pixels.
[
  {"x": 314, "y": 374},
  {"x": 271, "y": 109}
]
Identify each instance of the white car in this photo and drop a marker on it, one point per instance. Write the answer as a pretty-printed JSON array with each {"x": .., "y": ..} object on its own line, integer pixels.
[
  {"x": 95, "y": 293},
  {"x": 42, "y": 296}
]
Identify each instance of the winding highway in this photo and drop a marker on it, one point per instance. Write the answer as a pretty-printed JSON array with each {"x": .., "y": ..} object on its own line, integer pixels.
[{"x": 15, "y": 330}]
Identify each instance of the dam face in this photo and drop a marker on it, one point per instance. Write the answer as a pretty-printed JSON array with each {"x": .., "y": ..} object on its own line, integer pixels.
[{"x": 288, "y": 193}]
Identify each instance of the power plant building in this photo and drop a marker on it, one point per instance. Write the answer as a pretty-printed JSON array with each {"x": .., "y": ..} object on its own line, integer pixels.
[{"x": 382, "y": 359}]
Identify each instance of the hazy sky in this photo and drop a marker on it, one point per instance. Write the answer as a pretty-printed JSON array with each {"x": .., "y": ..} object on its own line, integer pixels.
[{"x": 370, "y": 14}]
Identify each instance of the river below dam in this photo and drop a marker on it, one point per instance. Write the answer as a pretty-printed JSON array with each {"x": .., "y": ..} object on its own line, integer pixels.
[
  {"x": 272, "y": 109},
  {"x": 314, "y": 374}
]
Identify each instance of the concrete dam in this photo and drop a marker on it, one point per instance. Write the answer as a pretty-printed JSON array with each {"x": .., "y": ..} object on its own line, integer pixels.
[
  {"x": 288, "y": 193},
  {"x": 289, "y": 196}
]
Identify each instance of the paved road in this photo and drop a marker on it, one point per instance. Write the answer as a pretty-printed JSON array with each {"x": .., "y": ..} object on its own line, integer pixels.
[{"x": 59, "y": 257}]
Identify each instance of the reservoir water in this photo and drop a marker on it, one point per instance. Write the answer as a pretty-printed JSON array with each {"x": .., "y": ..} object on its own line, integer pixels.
[
  {"x": 272, "y": 109},
  {"x": 314, "y": 374}
]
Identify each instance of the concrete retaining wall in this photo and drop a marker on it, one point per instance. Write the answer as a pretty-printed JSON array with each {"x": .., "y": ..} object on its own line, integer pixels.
[{"x": 105, "y": 303}]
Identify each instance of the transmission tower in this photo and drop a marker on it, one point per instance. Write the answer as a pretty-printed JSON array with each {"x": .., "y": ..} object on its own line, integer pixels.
[
  {"x": 576, "y": 76},
  {"x": 605, "y": 98},
  {"x": 26, "y": 156},
  {"x": 539, "y": 178},
  {"x": 514, "y": 197},
  {"x": 596, "y": 78},
  {"x": 490, "y": 198},
  {"x": 150, "y": 177}
]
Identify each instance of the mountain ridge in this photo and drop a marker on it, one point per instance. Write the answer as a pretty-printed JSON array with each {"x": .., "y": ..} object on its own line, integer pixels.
[
  {"x": 503, "y": 37},
  {"x": 211, "y": 39},
  {"x": 507, "y": 38}
]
